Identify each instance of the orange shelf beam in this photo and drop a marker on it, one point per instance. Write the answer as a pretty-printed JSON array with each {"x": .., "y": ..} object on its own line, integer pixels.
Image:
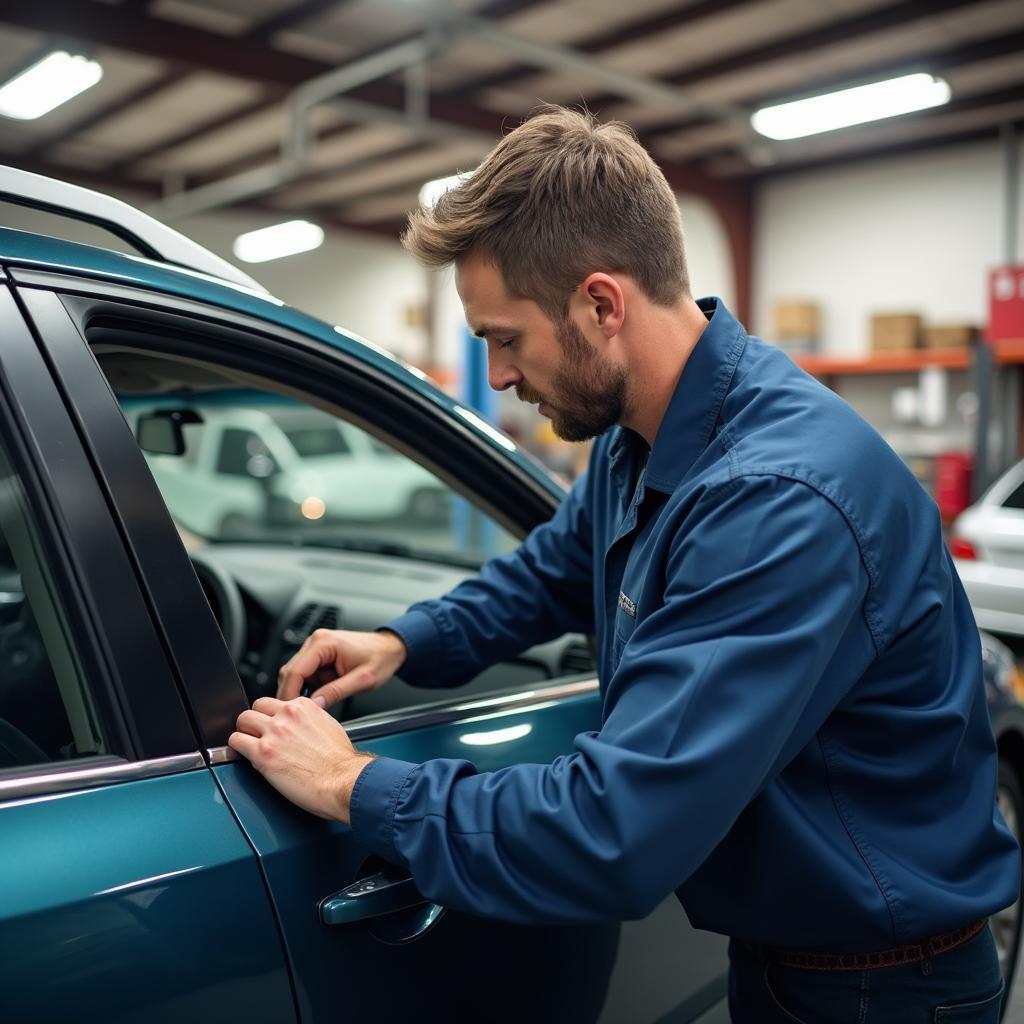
[
  {"x": 1007, "y": 353},
  {"x": 886, "y": 362}
]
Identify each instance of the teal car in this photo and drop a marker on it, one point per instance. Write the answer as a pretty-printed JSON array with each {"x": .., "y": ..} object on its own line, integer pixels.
[{"x": 147, "y": 875}]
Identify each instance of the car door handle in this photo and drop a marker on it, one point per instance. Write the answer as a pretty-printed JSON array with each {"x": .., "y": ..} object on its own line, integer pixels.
[{"x": 373, "y": 896}]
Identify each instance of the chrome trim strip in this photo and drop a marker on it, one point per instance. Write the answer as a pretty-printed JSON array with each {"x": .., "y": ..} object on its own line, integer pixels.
[
  {"x": 391, "y": 722},
  {"x": 222, "y": 755},
  {"x": 42, "y": 783}
]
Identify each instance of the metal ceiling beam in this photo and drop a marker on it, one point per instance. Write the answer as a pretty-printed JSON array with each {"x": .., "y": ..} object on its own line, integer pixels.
[
  {"x": 112, "y": 109},
  {"x": 213, "y": 124},
  {"x": 245, "y": 57},
  {"x": 622, "y": 35},
  {"x": 562, "y": 60},
  {"x": 845, "y": 31},
  {"x": 335, "y": 85},
  {"x": 178, "y": 72}
]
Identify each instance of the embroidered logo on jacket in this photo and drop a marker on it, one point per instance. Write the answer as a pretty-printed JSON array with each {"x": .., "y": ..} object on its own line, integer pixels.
[{"x": 627, "y": 605}]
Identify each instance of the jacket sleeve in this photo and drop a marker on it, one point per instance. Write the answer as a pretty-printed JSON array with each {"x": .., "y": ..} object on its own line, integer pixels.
[
  {"x": 714, "y": 693},
  {"x": 540, "y": 591}
]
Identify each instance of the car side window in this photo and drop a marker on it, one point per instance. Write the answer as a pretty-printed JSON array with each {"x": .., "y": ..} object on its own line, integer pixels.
[
  {"x": 317, "y": 522},
  {"x": 335, "y": 484},
  {"x": 1016, "y": 498},
  {"x": 46, "y": 713}
]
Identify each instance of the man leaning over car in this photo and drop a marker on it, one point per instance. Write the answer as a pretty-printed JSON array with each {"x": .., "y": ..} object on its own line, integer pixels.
[{"x": 794, "y": 734}]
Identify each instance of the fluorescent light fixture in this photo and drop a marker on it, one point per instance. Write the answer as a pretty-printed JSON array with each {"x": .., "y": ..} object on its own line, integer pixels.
[
  {"x": 851, "y": 106},
  {"x": 287, "y": 239},
  {"x": 50, "y": 82},
  {"x": 433, "y": 190}
]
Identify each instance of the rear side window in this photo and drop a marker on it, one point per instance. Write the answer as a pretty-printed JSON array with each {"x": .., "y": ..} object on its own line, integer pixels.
[
  {"x": 46, "y": 713},
  {"x": 1016, "y": 498}
]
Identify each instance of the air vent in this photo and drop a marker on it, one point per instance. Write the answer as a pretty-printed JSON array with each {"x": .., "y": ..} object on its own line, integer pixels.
[
  {"x": 577, "y": 657},
  {"x": 309, "y": 618}
]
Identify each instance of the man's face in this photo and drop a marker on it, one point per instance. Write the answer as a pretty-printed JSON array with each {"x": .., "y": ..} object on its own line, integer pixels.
[{"x": 553, "y": 365}]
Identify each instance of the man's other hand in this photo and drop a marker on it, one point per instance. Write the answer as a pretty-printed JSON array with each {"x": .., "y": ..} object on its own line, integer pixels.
[
  {"x": 303, "y": 752},
  {"x": 340, "y": 663}
]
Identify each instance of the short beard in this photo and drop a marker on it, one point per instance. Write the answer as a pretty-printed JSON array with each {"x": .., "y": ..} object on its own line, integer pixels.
[{"x": 589, "y": 389}]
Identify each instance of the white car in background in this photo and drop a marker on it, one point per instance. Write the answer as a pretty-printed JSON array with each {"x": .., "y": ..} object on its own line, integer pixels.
[
  {"x": 247, "y": 466},
  {"x": 987, "y": 544}
]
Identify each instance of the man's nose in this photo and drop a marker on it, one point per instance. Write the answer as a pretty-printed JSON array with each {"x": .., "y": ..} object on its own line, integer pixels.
[{"x": 501, "y": 374}]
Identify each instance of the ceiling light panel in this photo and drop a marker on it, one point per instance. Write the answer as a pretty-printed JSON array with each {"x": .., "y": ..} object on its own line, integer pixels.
[
  {"x": 847, "y": 107},
  {"x": 277, "y": 241},
  {"x": 48, "y": 84}
]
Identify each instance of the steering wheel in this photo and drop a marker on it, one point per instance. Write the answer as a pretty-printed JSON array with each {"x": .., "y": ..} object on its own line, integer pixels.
[{"x": 226, "y": 602}]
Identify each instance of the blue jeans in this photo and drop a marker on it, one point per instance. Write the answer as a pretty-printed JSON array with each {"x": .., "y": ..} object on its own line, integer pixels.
[{"x": 961, "y": 986}]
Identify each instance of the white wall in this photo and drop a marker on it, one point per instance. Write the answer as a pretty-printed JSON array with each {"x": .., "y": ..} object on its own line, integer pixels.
[
  {"x": 915, "y": 233},
  {"x": 707, "y": 250}
]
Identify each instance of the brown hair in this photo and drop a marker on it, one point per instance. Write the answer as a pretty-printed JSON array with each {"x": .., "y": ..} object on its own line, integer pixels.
[{"x": 556, "y": 199}]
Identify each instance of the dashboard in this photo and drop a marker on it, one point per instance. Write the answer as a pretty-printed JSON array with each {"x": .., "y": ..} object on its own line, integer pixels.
[{"x": 268, "y": 598}]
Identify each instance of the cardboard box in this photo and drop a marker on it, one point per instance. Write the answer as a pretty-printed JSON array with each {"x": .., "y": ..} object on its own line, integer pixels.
[
  {"x": 797, "y": 321},
  {"x": 895, "y": 332},
  {"x": 950, "y": 335}
]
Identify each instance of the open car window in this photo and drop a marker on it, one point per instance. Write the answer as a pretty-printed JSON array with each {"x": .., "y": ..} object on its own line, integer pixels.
[{"x": 259, "y": 467}]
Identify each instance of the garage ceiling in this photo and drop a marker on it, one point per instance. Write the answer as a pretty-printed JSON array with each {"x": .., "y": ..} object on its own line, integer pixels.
[{"x": 196, "y": 91}]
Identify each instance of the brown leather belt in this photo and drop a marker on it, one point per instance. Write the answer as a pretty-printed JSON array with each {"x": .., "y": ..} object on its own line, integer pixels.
[{"x": 911, "y": 953}]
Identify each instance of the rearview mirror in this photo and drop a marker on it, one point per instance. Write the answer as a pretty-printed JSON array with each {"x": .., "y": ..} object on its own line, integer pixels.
[{"x": 162, "y": 432}]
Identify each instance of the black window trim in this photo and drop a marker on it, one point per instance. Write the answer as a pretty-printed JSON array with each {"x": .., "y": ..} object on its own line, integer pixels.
[{"x": 114, "y": 643}]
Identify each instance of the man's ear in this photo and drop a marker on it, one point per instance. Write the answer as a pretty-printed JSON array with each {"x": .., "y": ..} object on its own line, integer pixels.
[{"x": 605, "y": 305}]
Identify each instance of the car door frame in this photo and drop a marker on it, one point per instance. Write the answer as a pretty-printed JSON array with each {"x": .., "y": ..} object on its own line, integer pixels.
[{"x": 65, "y": 308}]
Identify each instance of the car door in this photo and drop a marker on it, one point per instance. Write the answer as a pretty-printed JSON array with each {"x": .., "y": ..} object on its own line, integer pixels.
[
  {"x": 129, "y": 891},
  {"x": 347, "y": 957}
]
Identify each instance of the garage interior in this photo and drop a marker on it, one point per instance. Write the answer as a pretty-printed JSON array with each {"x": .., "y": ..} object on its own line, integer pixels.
[{"x": 883, "y": 256}]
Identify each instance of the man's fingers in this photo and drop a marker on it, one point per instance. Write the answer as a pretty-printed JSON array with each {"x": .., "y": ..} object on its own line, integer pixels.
[
  {"x": 356, "y": 681},
  {"x": 245, "y": 745},
  {"x": 267, "y": 705},
  {"x": 252, "y": 722},
  {"x": 304, "y": 665}
]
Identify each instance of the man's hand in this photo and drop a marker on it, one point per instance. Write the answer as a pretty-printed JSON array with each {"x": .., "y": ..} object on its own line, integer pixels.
[
  {"x": 302, "y": 752},
  {"x": 342, "y": 662}
]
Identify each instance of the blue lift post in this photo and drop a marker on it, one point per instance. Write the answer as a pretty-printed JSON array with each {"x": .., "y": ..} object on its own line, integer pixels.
[{"x": 472, "y": 530}]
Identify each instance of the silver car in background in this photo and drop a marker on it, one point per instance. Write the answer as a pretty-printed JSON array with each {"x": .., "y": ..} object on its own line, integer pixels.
[{"x": 987, "y": 544}]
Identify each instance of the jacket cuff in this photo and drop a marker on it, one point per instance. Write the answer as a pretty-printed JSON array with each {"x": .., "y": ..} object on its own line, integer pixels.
[
  {"x": 422, "y": 640},
  {"x": 372, "y": 807}
]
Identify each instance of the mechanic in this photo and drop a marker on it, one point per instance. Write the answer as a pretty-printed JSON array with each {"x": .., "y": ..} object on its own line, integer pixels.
[{"x": 794, "y": 734}]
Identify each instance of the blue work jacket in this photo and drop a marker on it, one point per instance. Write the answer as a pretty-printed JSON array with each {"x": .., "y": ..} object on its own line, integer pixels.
[{"x": 794, "y": 731}]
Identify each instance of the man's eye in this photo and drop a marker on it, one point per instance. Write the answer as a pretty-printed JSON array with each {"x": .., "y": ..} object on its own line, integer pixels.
[{"x": 507, "y": 342}]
